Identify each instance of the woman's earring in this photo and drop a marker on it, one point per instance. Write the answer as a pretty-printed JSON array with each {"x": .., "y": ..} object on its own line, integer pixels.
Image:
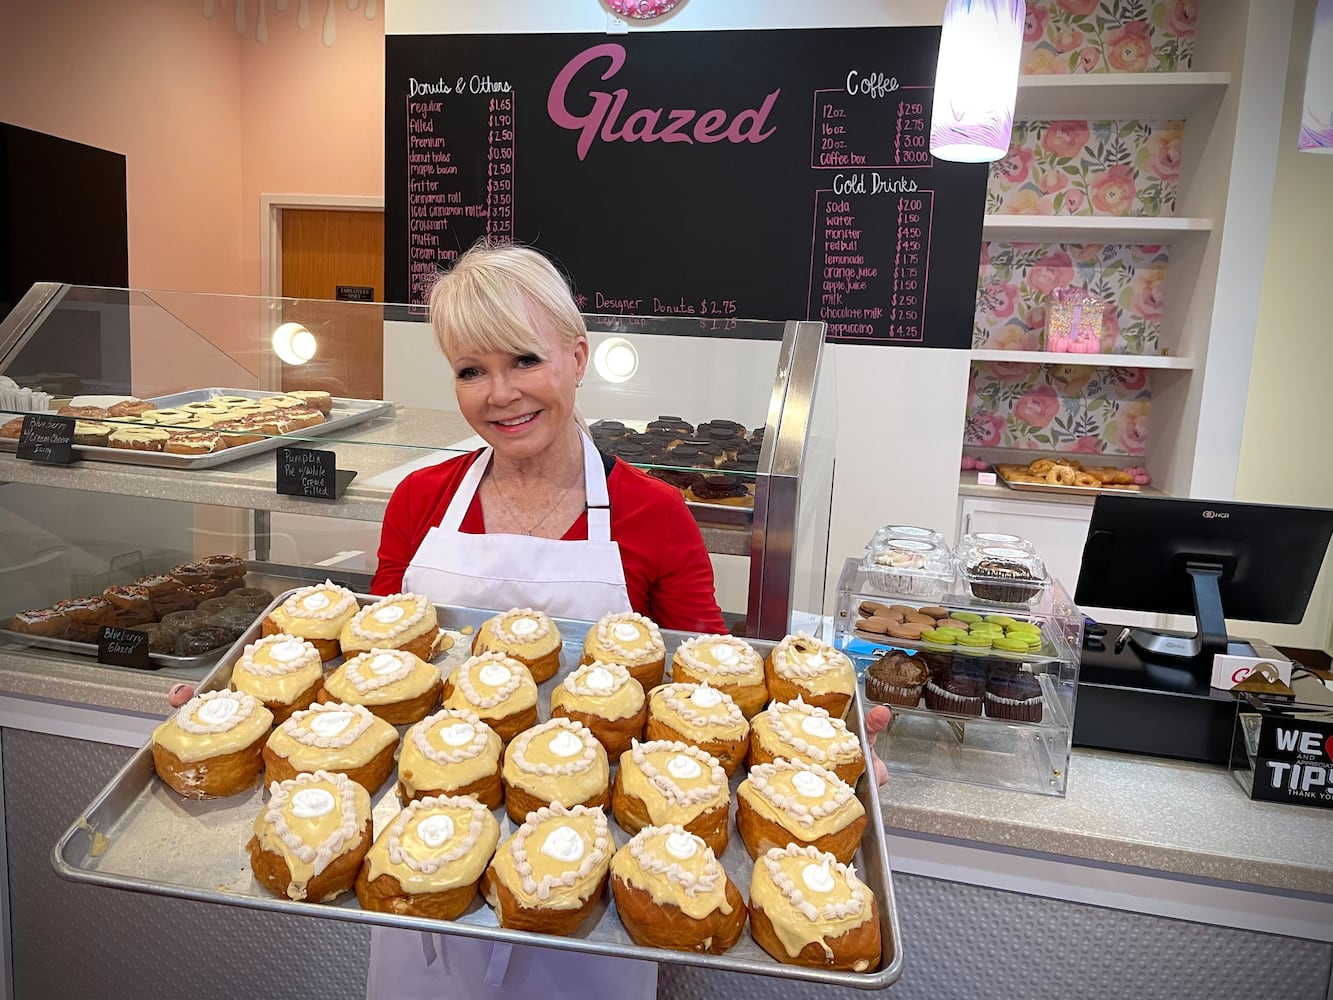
[{"x": 578, "y": 384}]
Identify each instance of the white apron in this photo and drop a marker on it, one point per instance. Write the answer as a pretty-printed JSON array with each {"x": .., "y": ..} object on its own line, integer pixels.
[{"x": 566, "y": 579}]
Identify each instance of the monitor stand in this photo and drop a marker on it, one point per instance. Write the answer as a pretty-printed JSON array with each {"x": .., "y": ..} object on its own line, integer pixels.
[{"x": 1193, "y": 651}]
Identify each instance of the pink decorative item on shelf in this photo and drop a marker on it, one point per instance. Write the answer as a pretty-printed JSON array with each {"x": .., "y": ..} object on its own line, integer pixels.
[
  {"x": 641, "y": 9},
  {"x": 1140, "y": 474},
  {"x": 1074, "y": 321}
]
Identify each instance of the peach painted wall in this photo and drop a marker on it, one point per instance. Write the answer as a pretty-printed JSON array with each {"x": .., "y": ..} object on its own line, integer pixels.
[
  {"x": 312, "y": 115},
  {"x": 160, "y": 84}
]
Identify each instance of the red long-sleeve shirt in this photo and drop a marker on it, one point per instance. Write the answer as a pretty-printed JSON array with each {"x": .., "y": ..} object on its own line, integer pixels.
[{"x": 667, "y": 572}]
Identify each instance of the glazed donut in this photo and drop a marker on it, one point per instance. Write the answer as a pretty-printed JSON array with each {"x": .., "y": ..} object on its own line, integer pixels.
[
  {"x": 1041, "y": 466},
  {"x": 1060, "y": 475},
  {"x": 1084, "y": 479}
]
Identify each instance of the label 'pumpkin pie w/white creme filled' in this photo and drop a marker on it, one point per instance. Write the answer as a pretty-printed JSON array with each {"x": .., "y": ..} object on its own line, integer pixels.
[
  {"x": 802, "y": 732},
  {"x": 333, "y": 737},
  {"x": 671, "y": 892},
  {"x": 660, "y": 783},
  {"x": 789, "y": 801},
  {"x": 726, "y": 663},
  {"x": 212, "y": 747},
  {"x": 428, "y": 862},
  {"x": 558, "y": 761},
  {"x": 451, "y": 753},
  {"x": 399, "y": 621},
  {"x": 311, "y": 837},
  {"x": 807, "y": 908},
  {"x": 633, "y": 641},
  {"x": 802, "y": 667},
  {"x": 397, "y": 685},
  {"x": 282, "y": 671},
  {"x": 500, "y": 690},
  {"x": 549, "y": 876},
  {"x": 524, "y": 635},
  {"x": 316, "y": 614}
]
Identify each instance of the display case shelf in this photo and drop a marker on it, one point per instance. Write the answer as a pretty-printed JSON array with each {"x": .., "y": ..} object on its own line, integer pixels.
[
  {"x": 1165, "y": 361},
  {"x": 1093, "y": 228},
  {"x": 1118, "y": 95}
]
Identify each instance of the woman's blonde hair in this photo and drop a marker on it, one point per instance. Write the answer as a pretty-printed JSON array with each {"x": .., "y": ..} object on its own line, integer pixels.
[{"x": 490, "y": 299}]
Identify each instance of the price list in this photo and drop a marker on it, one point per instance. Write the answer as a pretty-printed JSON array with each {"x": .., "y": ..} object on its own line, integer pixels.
[
  {"x": 500, "y": 168},
  {"x": 868, "y": 281},
  {"x": 850, "y": 130},
  {"x": 911, "y": 131}
]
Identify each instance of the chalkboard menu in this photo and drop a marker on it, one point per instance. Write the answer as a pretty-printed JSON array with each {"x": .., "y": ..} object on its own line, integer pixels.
[{"x": 757, "y": 174}]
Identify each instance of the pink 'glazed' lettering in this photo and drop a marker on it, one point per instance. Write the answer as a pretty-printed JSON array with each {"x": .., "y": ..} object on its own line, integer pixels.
[{"x": 602, "y": 120}]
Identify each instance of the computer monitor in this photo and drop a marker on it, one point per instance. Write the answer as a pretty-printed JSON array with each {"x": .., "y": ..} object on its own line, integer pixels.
[{"x": 1215, "y": 559}]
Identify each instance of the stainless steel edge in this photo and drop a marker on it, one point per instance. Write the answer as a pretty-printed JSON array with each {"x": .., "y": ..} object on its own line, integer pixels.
[
  {"x": 76, "y": 852},
  {"x": 22, "y": 321}
]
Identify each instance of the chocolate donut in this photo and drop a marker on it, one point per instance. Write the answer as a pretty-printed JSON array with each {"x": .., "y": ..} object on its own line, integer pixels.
[
  {"x": 201, "y": 640},
  {"x": 714, "y": 488},
  {"x": 679, "y": 478},
  {"x": 130, "y": 605},
  {"x": 166, "y": 593},
  {"x": 696, "y": 454},
  {"x": 223, "y": 565},
  {"x": 674, "y": 425}
]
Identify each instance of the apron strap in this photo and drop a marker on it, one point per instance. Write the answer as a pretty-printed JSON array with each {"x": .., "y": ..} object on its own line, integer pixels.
[
  {"x": 499, "y": 963},
  {"x": 594, "y": 486}
]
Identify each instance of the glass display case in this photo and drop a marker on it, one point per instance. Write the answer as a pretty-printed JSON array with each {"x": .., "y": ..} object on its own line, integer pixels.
[
  {"x": 150, "y": 491},
  {"x": 980, "y": 692}
]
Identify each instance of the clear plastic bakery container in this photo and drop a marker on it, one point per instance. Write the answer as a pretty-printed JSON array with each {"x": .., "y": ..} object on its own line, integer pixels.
[
  {"x": 910, "y": 567},
  {"x": 1003, "y": 574},
  {"x": 989, "y": 539},
  {"x": 910, "y": 532}
]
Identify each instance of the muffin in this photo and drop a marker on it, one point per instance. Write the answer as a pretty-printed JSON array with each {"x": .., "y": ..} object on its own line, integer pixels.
[
  {"x": 316, "y": 614},
  {"x": 395, "y": 684},
  {"x": 524, "y": 635},
  {"x": 661, "y": 783},
  {"x": 451, "y": 753},
  {"x": 1013, "y": 694},
  {"x": 959, "y": 690},
  {"x": 703, "y": 717},
  {"x": 340, "y": 739},
  {"x": 815, "y": 672},
  {"x": 897, "y": 678},
  {"x": 550, "y": 875},
  {"x": 671, "y": 892},
  {"x": 808, "y": 909},
  {"x": 726, "y": 663},
  {"x": 311, "y": 837},
  {"x": 212, "y": 746},
  {"x": 558, "y": 761},
  {"x": 807, "y": 733},
  {"x": 630, "y": 639},
  {"x": 281, "y": 671},
  {"x": 399, "y": 621},
  {"x": 788, "y": 801},
  {"x": 428, "y": 862},
  {"x": 497, "y": 689},
  {"x": 606, "y": 699}
]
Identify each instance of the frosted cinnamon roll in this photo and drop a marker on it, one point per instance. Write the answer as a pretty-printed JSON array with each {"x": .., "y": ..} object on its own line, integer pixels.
[{"x": 630, "y": 639}]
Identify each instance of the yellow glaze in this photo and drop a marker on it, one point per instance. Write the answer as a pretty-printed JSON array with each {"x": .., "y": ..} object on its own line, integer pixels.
[
  {"x": 560, "y": 897},
  {"x": 765, "y": 734},
  {"x": 781, "y": 782},
  {"x": 304, "y": 757},
  {"x": 722, "y": 723},
  {"x": 666, "y": 887},
  {"x": 454, "y": 869},
  {"x": 521, "y": 699},
  {"x": 191, "y": 747},
  {"x": 290, "y": 618},
  {"x": 487, "y": 639},
  {"x": 792, "y": 927},
  {"x": 664, "y": 809},
  {"x": 364, "y": 632},
  {"x": 312, "y": 832},
  {"x": 415, "y": 684},
  {"x": 280, "y": 689},
  {"x": 584, "y": 778},
  {"x": 643, "y": 648},
  {"x": 814, "y": 666},
  {"x": 449, "y": 774},
  {"x": 621, "y": 703}
]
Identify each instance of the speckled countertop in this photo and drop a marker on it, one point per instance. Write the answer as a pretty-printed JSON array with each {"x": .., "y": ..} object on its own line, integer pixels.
[{"x": 1157, "y": 815}]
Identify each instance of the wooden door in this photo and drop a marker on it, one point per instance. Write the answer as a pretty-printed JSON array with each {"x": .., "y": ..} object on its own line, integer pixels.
[{"x": 322, "y": 249}]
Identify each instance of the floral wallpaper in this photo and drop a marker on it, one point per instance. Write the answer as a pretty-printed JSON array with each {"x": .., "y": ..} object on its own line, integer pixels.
[
  {"x": 1066, "y": 408},
  {"x": 1088, "y": 168},
  {"x": 1015, "y": 279},
  {"x": 1109, "y": 36}
]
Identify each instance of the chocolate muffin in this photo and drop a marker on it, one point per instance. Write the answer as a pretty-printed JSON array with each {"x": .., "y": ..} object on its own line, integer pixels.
[
  {"x": 681, "y": 479},
  {"x": 960, "y": 690},
  {"x": 696, "y": 454},
  {"x": 729, "y": 490},
  {"x": 937, "y": 661},
  {"x": 1004, "y": 581},
  {"x": 609, "y": 428},
  {"x": 1014, "y": 694},
  {"x": 674, "y": 425},
  {"x": 896, "y": 678}
]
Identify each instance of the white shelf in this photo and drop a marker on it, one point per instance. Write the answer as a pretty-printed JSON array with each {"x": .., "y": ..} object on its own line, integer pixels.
[
  {"x": 1118, "y": 95},
  {"x": 1092, "y": 228},
  {"x": 1095, "y": 360}
]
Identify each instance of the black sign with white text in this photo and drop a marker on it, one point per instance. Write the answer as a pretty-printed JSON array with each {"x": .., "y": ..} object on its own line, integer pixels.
[
  {"x": 310, "y": 472},
  {"x": 123, "y": 647},
  {"x": 47, "y": 438},
  {"x": 1295, "y": 761}
]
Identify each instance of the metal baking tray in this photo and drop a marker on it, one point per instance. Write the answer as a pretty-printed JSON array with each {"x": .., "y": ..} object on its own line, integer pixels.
[
  {"x": 345, "y": 413},
  {"x": 1080, "y": 491},
  {"x": 157, "y": 661},
  {"x": 140, "y": 835}
]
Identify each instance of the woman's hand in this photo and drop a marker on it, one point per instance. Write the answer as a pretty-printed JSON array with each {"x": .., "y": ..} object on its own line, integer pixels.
[
  {"x": 179, "y": 694},
  {"x": 877, "y": 720}
]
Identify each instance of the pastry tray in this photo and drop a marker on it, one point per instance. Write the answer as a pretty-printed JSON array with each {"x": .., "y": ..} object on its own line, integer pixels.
[
  {"x": 1080, "y": 491},
  {"x": 140, "y": 835},
  {"x": 156, "y": 661},
  {"x": 345, "y": 413}
]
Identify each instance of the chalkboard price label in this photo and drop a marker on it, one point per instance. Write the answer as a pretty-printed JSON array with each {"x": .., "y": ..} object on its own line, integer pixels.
[
  {"x": 123, "y": 647},
  {"x": 309, "y": 472},
  {"x": 46, "y": 438},
  {"x": 354, "y": 293}
]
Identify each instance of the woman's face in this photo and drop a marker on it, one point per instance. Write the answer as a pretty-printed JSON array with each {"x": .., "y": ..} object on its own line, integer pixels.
[{"x": 521, "y": 403}]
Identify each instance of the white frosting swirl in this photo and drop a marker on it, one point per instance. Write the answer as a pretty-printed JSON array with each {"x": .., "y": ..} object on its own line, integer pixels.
[
  {"x": 328, "y": 724},
  {"x": 218, "y": 710},
  {"x": 624, "y": 632},
  {"x": 385, "y": 663},
  {"x": 600, "y": 679},
  {"x": 818, "y": 726},
  {"x": 726, "y": 656},
  {"x": 458, "y": 734},
  {"x": 683, "y": 767},
  {"x": 566, "y": 744},
  {"x": 817, "y": 878},
  {"x": 523, "y": 626},
  {"x": 287, "y": 650},
  {"x": 435, "y": 830},
  {"x": 812, "y": 786},
  {"x": 494, "y": 675},
  {"x": 317, "y": 601},
  {"x": 682, "y": 845},
  {"x": 706, "y": 697},
  {"x": 311, "y": 803},
  {"x": 389, "y": 615},
  {"x": 563, "y": 844}
]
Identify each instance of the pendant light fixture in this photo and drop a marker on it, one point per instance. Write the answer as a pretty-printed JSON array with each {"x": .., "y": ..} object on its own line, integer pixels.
[
  {"x": 976, "y": 79},
  {"x": 1317, "y": 109}
]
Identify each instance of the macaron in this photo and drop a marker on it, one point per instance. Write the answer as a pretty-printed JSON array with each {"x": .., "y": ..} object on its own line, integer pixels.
[
  {"x": 966, "y": 616},
  {"x": 1002, "y": 620},
  {"x": 974, "y": 640},
  {"x": 1010, "y": 645},
  {"x": 942, "y": 637}
]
